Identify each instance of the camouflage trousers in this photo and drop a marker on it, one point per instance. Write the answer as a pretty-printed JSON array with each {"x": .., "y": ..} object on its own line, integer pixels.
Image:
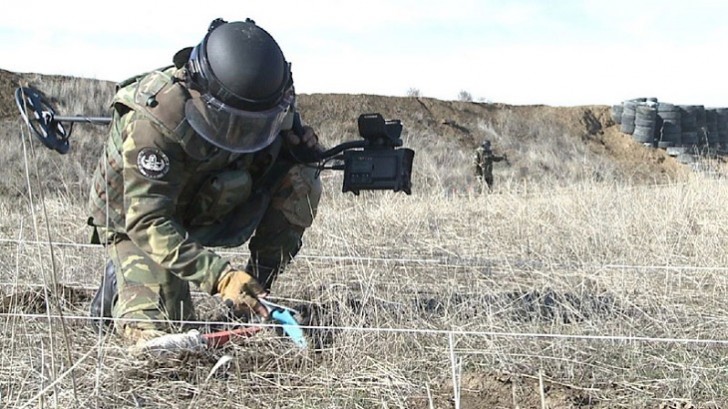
[{"x": 151, "y": 297}]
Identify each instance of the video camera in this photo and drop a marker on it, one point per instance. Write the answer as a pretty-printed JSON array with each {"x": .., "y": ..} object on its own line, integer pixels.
[
  {"x": 379, "y": 165},
  {"x": 374, "y": 163}
]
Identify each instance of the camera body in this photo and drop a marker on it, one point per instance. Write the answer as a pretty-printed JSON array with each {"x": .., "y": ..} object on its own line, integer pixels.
[{"x": 380, "y": 164}]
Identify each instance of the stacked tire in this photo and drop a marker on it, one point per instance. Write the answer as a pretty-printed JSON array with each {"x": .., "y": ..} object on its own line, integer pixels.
[
  {"x": 645, "y": 117},
  {"x": 665, "y": 125},
  {"x": 627, "y": 119},
  {"x": 701, "y": 123},
  {"x": 711, "y": 126},
  {"x": 617, "y": 113},
  {"x": 722, "y": 125},
  {"x": 689, "y": 124},
  {"x": 671, "y": 128}
]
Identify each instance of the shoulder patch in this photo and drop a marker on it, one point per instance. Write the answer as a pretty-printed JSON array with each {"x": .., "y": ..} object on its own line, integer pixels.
[{"x": 152, "y": 163}]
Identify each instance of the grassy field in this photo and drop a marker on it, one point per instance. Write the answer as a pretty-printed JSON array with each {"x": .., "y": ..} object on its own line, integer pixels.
[{"x": 577, "y": 288}]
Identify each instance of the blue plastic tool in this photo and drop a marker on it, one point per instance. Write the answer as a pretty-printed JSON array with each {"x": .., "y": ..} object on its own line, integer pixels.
[{"x": 284, "y": 316}]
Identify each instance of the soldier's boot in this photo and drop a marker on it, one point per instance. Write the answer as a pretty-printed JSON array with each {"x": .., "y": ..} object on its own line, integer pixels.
[{"x": 103, "y": 301}]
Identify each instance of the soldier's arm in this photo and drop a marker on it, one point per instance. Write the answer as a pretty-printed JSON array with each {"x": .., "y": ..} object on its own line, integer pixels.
[{"x": 154, "y": 176}]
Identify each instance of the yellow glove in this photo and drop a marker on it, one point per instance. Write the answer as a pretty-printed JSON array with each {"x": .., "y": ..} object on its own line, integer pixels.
[{"x": 240, "y": 291}]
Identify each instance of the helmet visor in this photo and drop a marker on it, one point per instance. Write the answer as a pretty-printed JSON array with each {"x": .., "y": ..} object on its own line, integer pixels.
[{"x": 235, "y": 130}]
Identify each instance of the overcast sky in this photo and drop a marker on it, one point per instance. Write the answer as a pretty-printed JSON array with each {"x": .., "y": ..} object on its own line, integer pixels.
[{"x": 560, "y": 52}]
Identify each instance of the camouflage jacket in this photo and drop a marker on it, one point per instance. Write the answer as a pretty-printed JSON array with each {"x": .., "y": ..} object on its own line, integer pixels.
[
  {"x": 165, "y": 187},
  {"x": 483, "y": 161}
]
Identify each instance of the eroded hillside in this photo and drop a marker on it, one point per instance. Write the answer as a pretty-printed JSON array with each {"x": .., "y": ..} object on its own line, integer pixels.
[{"x": 557, "y": 145}]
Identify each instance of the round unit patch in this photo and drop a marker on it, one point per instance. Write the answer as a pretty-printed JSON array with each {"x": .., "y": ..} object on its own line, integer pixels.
[{"x": 152, "y": 163}]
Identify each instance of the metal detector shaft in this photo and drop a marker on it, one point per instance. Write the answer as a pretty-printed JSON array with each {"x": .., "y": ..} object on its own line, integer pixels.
[{"x": 96, "y": 120}]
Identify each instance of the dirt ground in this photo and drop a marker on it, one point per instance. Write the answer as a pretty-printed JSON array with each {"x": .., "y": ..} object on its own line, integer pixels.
[{"x": 478, "y": 388}]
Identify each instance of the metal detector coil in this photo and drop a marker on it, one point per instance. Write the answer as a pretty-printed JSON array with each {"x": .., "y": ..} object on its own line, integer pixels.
[{"x": 40, "y": 116}]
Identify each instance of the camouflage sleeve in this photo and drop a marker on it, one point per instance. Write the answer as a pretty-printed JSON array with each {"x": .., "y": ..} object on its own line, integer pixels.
[
  {"x": 476, "y": 161},
  {"x": 155, "y": 172}
]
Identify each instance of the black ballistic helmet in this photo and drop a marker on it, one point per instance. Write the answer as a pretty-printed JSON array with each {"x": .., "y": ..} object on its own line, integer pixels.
[{"x": 241, "y": 87}]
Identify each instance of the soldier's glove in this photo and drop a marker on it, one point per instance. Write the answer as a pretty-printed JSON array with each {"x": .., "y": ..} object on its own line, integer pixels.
[
  {"x": 308, "y": 138},
  {"x": 240, "y": 291}
]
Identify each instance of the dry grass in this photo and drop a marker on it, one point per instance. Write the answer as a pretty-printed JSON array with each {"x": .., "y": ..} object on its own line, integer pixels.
[{"x": 603, "y": 288}]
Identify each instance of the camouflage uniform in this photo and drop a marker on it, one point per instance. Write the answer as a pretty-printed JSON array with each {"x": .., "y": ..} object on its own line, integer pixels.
[
  {"x": 161, "y": 195},
  {"x": 484, "y": 159}
]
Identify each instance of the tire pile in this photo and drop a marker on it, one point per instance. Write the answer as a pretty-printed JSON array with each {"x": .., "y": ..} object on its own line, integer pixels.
[{"x": 664, "y": 125}]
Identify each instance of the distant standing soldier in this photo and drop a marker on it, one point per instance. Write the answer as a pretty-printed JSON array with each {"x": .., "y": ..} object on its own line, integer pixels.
[{"x": 484, "y": 159}]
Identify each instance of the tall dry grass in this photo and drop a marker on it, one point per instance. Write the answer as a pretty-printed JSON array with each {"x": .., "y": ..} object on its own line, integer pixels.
[{"x": 609, "y": 293}]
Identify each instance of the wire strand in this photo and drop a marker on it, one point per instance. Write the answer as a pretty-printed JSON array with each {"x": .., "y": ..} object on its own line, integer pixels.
[
  {"x": 443, "y": 261},
  {"x": 400, "y": 330}
]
